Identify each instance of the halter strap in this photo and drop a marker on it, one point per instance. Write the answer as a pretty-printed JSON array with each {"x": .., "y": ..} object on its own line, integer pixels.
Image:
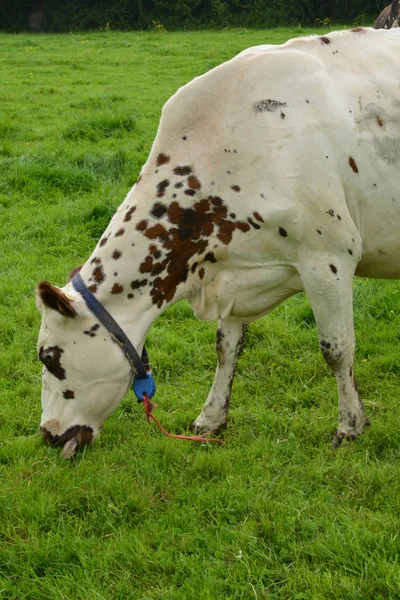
[{"x": 115, "y": 331}]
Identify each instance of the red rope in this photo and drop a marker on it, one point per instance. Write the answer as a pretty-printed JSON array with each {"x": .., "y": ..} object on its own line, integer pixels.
[{"x": 149, "y": 406}]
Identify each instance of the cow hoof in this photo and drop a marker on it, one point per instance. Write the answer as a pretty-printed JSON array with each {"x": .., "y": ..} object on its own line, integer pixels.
[
  {"x": 201, "y": 429},
  {"x": 349, "y": 436}
]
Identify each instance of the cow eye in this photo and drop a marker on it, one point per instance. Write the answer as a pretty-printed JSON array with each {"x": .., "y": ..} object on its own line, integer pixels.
[{"x": 46, "y": 356}]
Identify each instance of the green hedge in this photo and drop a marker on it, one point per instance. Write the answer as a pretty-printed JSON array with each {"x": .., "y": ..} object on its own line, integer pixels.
[{"x": 72, "y": 15}]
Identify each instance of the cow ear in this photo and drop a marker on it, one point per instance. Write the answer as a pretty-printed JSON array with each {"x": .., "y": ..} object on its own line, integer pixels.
[{"x": 54, "y": 298}]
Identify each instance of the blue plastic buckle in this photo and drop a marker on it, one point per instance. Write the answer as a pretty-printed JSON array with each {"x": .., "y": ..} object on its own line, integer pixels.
[{"x": 144, "y": 386}]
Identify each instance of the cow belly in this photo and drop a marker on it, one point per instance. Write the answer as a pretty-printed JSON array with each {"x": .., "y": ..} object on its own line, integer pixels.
[{"x": 245, "y": 294}]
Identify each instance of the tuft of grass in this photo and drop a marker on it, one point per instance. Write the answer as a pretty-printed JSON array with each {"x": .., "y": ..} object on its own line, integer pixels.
[{"x": 274, "y": 513}]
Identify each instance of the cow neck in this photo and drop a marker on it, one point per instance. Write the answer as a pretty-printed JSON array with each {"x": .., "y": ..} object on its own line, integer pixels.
[
  {"x": 134, "y": 315},
  {"x": 139, "y": 364}
]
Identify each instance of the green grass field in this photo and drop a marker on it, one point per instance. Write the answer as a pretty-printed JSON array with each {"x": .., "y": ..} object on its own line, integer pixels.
[{"x": 274, "y": 512}]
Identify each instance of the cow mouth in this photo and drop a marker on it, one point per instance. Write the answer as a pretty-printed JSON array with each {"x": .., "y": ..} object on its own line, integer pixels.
[{"x": 71, "y": 440}]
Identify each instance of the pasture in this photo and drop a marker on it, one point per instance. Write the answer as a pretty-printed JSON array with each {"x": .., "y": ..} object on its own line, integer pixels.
[{"x": 274, "y": 512}]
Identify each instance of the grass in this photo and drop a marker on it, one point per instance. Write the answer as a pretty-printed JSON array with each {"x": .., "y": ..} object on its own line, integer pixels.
[{"x": 274, "y": 513}]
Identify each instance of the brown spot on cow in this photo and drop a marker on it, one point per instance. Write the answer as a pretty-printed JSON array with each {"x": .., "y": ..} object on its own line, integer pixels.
[
  {"x": 186, "y": 237},
  {"x": 98, "y": 274},
  {"x": 325, "y": 40},
  {"x": 254, "y": 225},
  {"x": 91, "y": 332},
  {"x": 350, "y": 251},
  {"x": 120, "y": 232},
  {"x": 201, "y": 273},
  {"x": 116, "y": 254},
  {"x": 379, "y": 122},
  {"x": 103, "y": 242},
  {"x": 353, "y": 164},
  {"x": 193, "y": 182},
  {"x": 257, "y": 216},
  {"x": 158, "y": 210},
  {"x": 282, "y": 232},
  {"x": 136, "y": 284},
  {"x": 147, "y": 265},
  {"x": 210, "y": 257},
  {"x": 190, "y": 192},
  {"x": 235, "y": 188},
  {"x": 69, "y": 394},
  {"x": 185, "y": 170},
  {"x": 157, "y": 231},
  {"x": 333, "y": 268},
  {"x": 92, "y": 288},
  {"x": 141, "y": 226},
  {"x": 51, "y": 358},
  {"x": 129, "y": 213},
  {"x": 117, "y": 288},
  {"x": 161, "y": 187},
  {"x": 162, "y": 159},
  {"x": 358, "y": 29}
]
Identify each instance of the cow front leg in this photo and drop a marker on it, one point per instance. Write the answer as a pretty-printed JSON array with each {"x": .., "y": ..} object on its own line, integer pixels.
[
  {"x": 230, "y": 339},
  {"x": 330, "y": 294}
]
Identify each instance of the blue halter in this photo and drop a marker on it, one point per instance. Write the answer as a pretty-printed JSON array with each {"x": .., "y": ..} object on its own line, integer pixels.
[{"x": 143, "y": 382}]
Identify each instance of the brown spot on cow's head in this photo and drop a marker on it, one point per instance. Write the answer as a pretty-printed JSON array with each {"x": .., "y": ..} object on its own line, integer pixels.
[
  {"x": 162, "y": 159},
  {"x": 69, "y": 394},
  {"x": 353, "y": 164},
  {"x": 51, "y": 358}
]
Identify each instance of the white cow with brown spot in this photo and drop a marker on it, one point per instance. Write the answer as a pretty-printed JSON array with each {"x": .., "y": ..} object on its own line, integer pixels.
[{"x": 274, "y": 173}]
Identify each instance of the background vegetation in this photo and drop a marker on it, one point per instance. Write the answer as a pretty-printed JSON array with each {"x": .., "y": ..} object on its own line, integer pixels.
[
  {"x": 73, "y": 15},
  {"x": 275, "y": 512}
]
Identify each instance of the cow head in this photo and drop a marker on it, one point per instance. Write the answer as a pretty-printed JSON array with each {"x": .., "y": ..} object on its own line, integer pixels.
[{"x": 85, "y": 375}]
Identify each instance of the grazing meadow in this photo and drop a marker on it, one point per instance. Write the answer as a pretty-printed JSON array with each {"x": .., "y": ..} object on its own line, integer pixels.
[{"x": 275, "y": 512}]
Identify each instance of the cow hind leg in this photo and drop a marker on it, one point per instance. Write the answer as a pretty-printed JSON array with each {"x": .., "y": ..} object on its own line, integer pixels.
[
  {"x": 230, "y": 339},
  {"x": 330, "y": 294}
]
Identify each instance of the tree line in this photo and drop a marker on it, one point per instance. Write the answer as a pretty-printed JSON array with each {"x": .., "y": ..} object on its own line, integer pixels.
[{"x": 79, "y": 15}]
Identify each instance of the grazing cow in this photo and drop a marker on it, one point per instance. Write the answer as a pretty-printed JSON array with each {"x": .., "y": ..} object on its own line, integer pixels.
[
  {"x": 389, "y": 17},
  {"x": 275, "y": 172}
]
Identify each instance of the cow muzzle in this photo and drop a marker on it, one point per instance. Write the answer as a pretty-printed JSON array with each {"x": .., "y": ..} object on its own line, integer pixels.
[{"x": 73, "y": 438}]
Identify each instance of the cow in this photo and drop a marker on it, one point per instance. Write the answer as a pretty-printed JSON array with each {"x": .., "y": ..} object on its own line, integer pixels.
[
  {"x": 389, "y": 17},
  {"x": 272, "y": 174}
]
